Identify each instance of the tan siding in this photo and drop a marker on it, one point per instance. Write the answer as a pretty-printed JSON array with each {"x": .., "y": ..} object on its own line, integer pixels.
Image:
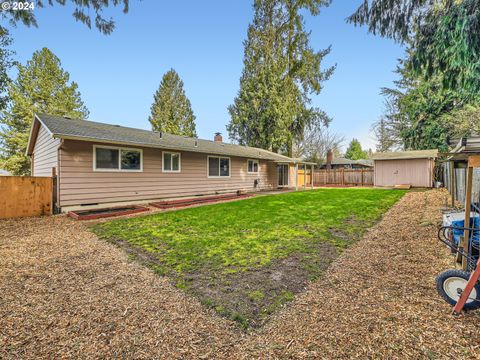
[
  {"x": 414, "y": 172},
  {"x": 79, "y": 184},
  {"x": 272, "y": 174},
  {"x": 45, "y": 153}
]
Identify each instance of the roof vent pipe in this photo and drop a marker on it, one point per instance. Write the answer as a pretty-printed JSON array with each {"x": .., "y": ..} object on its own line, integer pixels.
[
  {"x": 196, "y": 142},
  {"x": 160, "y": 134}
]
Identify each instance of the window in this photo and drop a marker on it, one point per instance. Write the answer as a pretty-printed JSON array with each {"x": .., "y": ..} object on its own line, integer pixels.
[
  {"x": 106, "y": 158},
  {"x": 171, "y": 162},
  {"x": 252, "y": 166},
  {"x": 218, "y": 166},
  {"x": 116, "y": 159},
  {"x": 131, "y": 160}
]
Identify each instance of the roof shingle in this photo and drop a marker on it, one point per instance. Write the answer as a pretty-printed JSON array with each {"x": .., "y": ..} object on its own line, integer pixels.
[{"x": 94, "y": 131}]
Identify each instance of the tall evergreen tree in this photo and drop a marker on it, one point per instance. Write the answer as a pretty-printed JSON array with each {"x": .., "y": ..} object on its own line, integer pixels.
[
  {"x": 440, "y": 81},
  {"x": 442, "y": 36},
  {"x": 281, "y": 71},
  {"x": 355, "y": 152},
  {"x": 6, "y": 63},
  {"x": 42, "y": 86},
  {"x": 171, "y": 110},
  {"x": 422, "y": 114}
]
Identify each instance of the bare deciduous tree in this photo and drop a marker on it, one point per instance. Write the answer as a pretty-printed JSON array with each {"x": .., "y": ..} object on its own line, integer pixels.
[{"x": 316, "y": 141}]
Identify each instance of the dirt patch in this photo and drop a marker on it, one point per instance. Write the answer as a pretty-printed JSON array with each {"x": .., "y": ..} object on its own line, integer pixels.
[
  {"x": 351, "y": 231},
  {"x": 249, "y": 297}
]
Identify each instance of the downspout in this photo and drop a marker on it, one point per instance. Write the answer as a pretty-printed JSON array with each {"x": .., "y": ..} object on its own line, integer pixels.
[{"x": 59, "y": 153}]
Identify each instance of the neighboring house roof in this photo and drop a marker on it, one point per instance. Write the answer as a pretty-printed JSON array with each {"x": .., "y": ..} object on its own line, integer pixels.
[
  {"x": 77, "y": 129},
  {"x": 414, "y": 154},
  {"x": 464, "y": 147},
  {"x": 466, "y": 144},
  {"x": 345, "y": 161},
  {"x": 4, "y": 173}
]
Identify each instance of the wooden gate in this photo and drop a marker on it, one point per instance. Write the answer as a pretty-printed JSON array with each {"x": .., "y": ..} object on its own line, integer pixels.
[
  {"x": 302, "y": 177},
  {"x": 25, "y": 196}
]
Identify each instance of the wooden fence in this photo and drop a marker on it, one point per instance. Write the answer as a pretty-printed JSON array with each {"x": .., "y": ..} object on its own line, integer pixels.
[
  {"x": 25, "y": 196},
  {"x": 460, "y": 181},
  {"x": 344, "y": 177}
]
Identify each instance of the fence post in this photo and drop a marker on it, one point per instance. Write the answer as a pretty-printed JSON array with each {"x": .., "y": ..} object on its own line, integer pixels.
[
  {"x": 312, "y": 174},
  {"x": 361, "y": 176},
  {"x": 453, "y": 184},
  {"x": 468, "y": 203},
  {"x": 304, "y": 176},
  {"x": 343, "y": 176}
]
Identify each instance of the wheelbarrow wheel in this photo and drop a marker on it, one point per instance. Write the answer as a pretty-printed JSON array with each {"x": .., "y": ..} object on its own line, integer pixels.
[{"x": 450, "y": 285}]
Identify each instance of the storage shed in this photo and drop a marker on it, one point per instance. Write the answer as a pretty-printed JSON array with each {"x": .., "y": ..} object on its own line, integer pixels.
[{"x": 414, "y": 168}]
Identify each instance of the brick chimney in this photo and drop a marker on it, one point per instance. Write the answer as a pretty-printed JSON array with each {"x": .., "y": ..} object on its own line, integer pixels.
[
  {"x": 329, "y": 158},
  {"x": 218, "y": 137}
]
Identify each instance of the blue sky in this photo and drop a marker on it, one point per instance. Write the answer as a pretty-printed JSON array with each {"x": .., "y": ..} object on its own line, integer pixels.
[{"x": 118, "y": 74}]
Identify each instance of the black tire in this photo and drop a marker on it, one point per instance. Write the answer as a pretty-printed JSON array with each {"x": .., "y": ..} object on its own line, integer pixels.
[{"x": 449, "y": 286}]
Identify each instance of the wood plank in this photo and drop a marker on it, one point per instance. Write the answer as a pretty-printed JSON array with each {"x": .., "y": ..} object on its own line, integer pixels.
[
  {"x": 474, "y": 161},
  {"x": 452, "y": 182},
  {"x": 468, "y": 203}
]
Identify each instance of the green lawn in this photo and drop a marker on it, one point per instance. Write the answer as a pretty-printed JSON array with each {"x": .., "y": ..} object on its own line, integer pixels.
[{"x": 248, "y": 257}]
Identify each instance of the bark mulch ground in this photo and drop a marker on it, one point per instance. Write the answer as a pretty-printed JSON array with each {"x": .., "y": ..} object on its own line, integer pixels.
[{"x": 63, "y": 293}]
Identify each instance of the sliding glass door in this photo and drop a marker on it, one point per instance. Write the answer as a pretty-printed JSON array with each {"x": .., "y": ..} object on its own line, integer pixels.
[{"x": 282, "y": 171}]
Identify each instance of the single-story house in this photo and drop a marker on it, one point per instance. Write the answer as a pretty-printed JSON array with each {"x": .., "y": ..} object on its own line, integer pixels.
[
  {"x": 414, "y": 168},
  {"x": 99, "y": 165},
  {"x": 344, "y": 163}
]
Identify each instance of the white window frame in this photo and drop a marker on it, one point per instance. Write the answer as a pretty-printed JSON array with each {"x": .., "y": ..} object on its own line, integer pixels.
[
  {"x": 179, "y": 162},
  {"x": 219, "y": 176},
  {"x": 258, "y": 166},
  {"x": 119, "y": 158}
]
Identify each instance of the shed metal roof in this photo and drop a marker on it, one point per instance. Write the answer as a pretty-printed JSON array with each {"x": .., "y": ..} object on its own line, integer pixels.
[
  {"x": 413, "y": 154},
  {"x": 77, "y": 129}
]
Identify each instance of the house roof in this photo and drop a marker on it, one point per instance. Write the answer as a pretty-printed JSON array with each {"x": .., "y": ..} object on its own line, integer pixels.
[
  {"x": 345, "y": 161},
  {"x": 413, "y": 154},
  {"x": 77, "y": 129}
]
